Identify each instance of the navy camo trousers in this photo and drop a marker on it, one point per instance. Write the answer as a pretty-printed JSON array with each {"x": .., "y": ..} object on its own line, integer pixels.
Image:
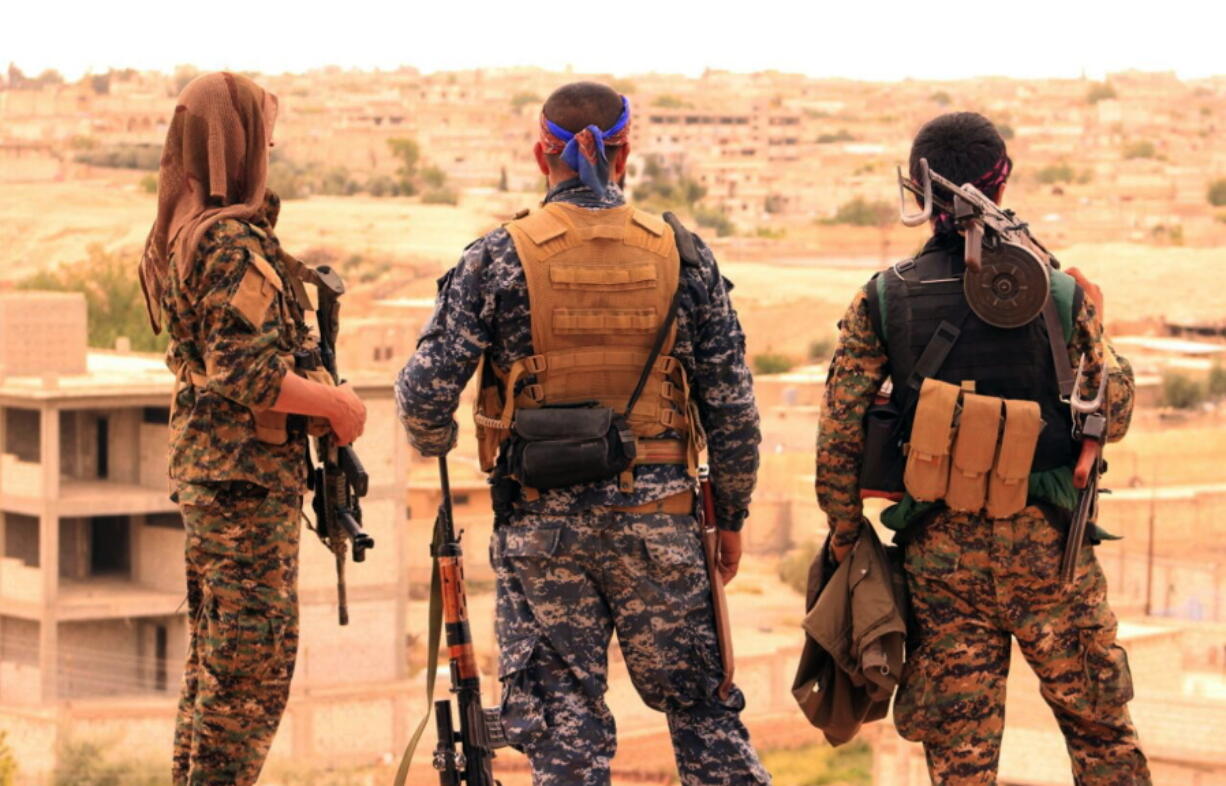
[{"x": 565, "y": 584}]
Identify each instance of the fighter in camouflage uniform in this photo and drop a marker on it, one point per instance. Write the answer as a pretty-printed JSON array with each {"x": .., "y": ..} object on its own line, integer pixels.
[
  {"x": 576, "y": 563},
  {"x": 213, "y": 272},
  {"x": 978, "y": 582}
]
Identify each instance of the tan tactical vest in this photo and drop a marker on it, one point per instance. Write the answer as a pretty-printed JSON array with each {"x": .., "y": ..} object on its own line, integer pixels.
[{"x": 600, "y": 283}]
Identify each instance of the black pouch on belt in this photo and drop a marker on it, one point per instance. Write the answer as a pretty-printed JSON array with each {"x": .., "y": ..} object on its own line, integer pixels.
[
  {"x": 552, "y": 447},
  {"x": 555, "y": 446},
  {"x": 883, "y": 464}
]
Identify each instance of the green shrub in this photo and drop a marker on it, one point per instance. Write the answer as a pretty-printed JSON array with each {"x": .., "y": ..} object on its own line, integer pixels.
[
  {"x": 8, "y": 763},
  {"x": 1217, "y": 380},
  {"x": 1182, "y": 392},
  {"x": 860, "y": 212},
  {"x": 821, "y": 765},
  {"x": 714, "y": 219},
  {"x": 113, "y": 298},
  {"x": 441, "y": 196},
  {"x": 149, "y": 183},
  {"x": 1140, "y": 149},
  {"x": 86, "y": 763},
  {"x": 820, "y": 348},
  {"x": 843, "y": 135},
  {"x": 1217, "y": 192},
  {"x": 1100, "y": 91},
  {"x": 1056, "y": 173},
  {"x": 793, "y": 569},
  {"x": 772, "y": 363}
]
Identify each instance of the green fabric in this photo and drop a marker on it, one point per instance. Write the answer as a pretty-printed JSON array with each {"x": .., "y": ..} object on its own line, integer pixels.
[
  {"x": 881, "y": 301},
  {"x": 1063, "y": 288},
  {"x": 1054, "y": 486}
]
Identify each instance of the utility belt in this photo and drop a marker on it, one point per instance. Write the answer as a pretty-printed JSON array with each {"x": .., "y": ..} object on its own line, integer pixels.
[{"x": 272, "y": 428}]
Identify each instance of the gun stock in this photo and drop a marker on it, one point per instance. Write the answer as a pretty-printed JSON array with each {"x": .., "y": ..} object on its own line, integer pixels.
[{"x": 719, "y": 600}]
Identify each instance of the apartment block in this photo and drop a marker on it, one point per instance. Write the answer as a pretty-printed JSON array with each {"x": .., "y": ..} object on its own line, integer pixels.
[{"x": 92, "y": 590}]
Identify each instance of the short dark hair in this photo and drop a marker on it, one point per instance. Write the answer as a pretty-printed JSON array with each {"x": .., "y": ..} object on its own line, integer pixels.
[
  {"x": 581, "y": 104},
  {"x": 962, "y": 146}
]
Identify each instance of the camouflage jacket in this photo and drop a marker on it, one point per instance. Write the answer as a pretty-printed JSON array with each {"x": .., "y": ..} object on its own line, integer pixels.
[
  {"x": 212, "y": 432},
  {"x": 482, "y": 308},
  {"x": 859, "y": 367}
]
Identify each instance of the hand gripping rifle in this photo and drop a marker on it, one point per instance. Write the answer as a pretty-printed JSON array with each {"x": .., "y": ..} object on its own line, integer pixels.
[
  {"x": 340, "y": 481},
  {"x": 1090, "y": 428},
  {"x": 480, "y": 729},
  {"x": 1007, "y": 277}
]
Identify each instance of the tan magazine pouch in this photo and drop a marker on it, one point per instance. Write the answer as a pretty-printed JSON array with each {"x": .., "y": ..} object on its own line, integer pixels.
[
  {"x": 317, "y": 426},
  {"x": 974, "y": 453},
  {"x": 1010, "y": 480},
  {"x": 926, "y": 476}
]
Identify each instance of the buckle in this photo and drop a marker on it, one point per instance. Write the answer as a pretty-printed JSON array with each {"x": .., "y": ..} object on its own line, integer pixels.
[
  {"x": 667, "y": 390},
  {"x": 535, "y": 364}
]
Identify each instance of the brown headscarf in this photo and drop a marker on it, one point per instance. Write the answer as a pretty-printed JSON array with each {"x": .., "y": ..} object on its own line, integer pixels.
[{"x": 214, "y": 166}]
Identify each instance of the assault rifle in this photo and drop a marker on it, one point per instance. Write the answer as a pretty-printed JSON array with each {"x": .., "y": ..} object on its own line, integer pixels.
[
  {"x": 340, "y": 481},
  {"x": 481, "y": 729},
  {"x": 1090, "y": 428}
]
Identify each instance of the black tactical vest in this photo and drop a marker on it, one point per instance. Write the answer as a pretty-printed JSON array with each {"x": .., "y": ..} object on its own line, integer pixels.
[{"x": 1010, "y": 363}]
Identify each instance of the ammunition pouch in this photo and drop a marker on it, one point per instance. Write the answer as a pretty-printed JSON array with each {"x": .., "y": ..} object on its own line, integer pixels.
[
  {"x": 882, "y": 468},
  {"x": 553, "y": 447}
]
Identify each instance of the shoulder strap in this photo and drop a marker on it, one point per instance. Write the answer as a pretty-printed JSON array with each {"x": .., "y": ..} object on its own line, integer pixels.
[
  {"x": 874, "y": 291},
  {"x": 686, "y": 247},
  {"x": 661, "y": 337},
  {"x": 1059, "y": 348}
]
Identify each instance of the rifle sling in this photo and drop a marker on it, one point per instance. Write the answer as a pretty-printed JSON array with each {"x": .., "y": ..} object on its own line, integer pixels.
[
  {"x": 1059, "y": 349},
  {"x": 435, "y": 638}
]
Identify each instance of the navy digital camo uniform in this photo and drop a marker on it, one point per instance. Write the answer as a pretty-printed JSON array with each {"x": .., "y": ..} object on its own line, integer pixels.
[{"x": 570, "y": 570}]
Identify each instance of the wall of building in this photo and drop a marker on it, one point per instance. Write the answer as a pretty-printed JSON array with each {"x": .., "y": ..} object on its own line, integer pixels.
[
  {"x": 158, "y": 556},
  {"x": 20, "y": 681},
  {"x": 99, "y": 658}
]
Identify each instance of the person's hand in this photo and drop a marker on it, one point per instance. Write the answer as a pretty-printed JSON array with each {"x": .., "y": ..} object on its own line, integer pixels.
[
  {"x": 1092, "y": 290},
  {"x": 844, "y": 540},
  {"x": 348, "y": 418},
  {"x": 729, "y": 558}
]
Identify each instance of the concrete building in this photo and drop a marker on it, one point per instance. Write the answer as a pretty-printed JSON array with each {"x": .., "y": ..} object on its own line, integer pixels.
[{"x": 92, "y": 599}]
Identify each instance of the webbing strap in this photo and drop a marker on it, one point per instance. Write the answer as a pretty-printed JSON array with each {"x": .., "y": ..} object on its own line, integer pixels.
[
  {"x": 661, "y": 337},
  {"x": 934, "y": 354},
  {"x": 435, "y": 638},
  {"x": 1059, "y": 351}
]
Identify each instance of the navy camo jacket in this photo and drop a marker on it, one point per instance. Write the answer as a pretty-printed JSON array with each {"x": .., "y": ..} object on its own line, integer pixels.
[{"x": 482, "y": 309}]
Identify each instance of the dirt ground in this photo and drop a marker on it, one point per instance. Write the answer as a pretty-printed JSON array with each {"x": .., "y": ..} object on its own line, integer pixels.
[{"x": 784, "y": 303}]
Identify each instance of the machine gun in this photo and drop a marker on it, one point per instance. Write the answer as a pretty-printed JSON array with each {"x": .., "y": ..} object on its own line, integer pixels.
[
  {"x": 340, "y": 481},
  {"x": 1007, "y": 269},
  {"x": 1090, "y": 428},
  {"x": 481, "y": 729}
]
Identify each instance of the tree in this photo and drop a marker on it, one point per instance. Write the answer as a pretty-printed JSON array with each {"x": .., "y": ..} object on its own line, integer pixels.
[
  {"x": 50, "y": 77},
  {"x": 860, "y": 212},
  {"x": 1100, "y": 91},
  {"x": 113, "y": 298},
  {"x": 520, "y": 100},
  {"x": 1181, "y": 391},
  {"x": 434, "y": 177},
  {"x": 843, "y": 135},
  {"x": 1217, "y": 192},
  {"x": 1140, "y": 149},
  {"x": 408, "y": 152},
  {"x": 667, "y": 101},
  {"x": 714, "y": 219},
  {"x": 8, "y": 764},
  {"x": 1056, "y": 173},
  {"x": 771, "y": 363},
  {"x": 941, "y": 98}
]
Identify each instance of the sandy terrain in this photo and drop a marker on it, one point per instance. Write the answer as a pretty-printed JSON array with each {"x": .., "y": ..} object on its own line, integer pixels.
[{"x": 784, "y": 303}]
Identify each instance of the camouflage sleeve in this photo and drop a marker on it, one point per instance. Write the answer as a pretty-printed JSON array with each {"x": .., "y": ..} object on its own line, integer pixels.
[
  {"x": 242, "y": 359},
  {"x": 723, "y": 391},
  {"x": 451, "y": 344},
  {"x": 1089, "y": 342},
  {"x": 856, "y": 371}
]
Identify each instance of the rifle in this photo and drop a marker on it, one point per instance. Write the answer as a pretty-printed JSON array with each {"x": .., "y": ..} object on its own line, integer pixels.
[
  {"x": 1090, "y": 428},
  {"x": 1010, "y": 286},
  {"x": 340, "y": 481},
  {"x": 481, "y": 729},
  {"x": 719, "y": 601}
]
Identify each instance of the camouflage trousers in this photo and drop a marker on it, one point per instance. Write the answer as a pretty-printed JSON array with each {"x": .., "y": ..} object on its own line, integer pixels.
[
  {"x": 242, "y": 579},
  {"x": 565, "y": 584},
  {"x": 977, "y": 584}
]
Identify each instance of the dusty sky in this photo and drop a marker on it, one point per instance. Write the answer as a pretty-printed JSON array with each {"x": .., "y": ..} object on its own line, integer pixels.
[{"x": 860, "y": 39}]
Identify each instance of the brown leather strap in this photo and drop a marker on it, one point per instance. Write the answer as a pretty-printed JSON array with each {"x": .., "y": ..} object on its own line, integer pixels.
[
  {"x": 661, "y": 451},
  {"x": 677, "y": 505}
]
